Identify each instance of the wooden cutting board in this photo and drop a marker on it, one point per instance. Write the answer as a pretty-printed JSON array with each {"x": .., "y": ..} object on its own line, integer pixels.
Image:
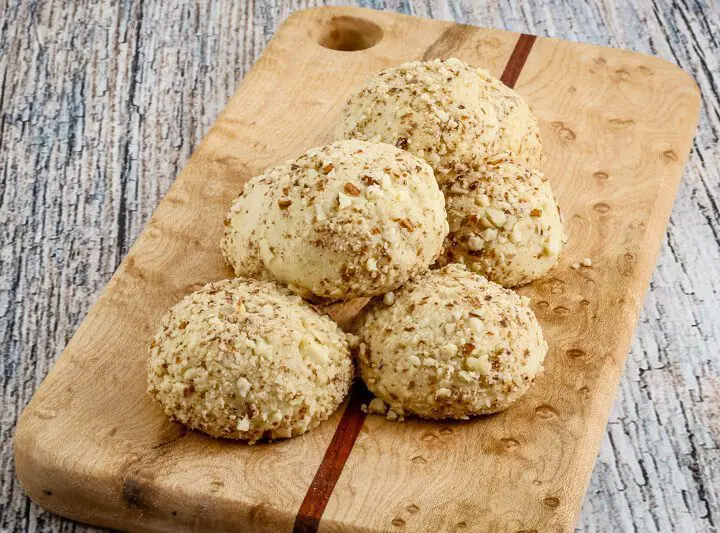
[{"x": 617, "y": 126}]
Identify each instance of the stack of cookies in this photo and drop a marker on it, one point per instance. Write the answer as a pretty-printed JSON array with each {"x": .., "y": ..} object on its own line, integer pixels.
[{"x": 431, "y": 203}]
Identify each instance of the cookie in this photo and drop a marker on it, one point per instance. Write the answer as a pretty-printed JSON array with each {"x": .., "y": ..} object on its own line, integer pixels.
[
  {"x": 504, "y": 223},
  {"x": 345, "y": 220},
  {"x": 450, "y": 114},
  {"x": 246, "y": 359},
  {"x": 451, "y": 345}
]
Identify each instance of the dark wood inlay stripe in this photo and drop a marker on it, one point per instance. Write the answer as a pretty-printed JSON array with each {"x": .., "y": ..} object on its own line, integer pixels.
[
  {"x": 517, "y": 59},
  {"x": 318, "y": 495},
  {"x": 328, "y": 473}
]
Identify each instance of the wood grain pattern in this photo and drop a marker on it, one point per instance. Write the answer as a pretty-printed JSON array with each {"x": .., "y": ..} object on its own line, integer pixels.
[
  {"x": 76, "y": 119},
  {"x": 79, "y": 453}
]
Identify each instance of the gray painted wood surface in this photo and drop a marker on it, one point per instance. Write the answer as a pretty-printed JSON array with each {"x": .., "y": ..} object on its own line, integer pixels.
[{"x": 102, "y": 102}]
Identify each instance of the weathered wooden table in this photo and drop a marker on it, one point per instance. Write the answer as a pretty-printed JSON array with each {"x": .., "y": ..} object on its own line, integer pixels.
[{"x": 101, "y": 105}]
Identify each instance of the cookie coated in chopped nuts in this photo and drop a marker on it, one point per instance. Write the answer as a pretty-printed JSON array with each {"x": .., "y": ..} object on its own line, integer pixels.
[
  {"x": 344, "y": 220},
  {"x": 453, "y": 345},
  {"x": 246, "y": 359},
  {"x": 504, "y": 223},
  {"x": 449, "y": 113}
]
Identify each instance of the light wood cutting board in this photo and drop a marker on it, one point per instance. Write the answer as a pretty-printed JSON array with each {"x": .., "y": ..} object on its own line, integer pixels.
[{"x": 617, "y": 126}]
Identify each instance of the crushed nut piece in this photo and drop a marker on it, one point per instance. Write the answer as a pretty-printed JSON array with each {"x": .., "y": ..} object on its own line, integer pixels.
[
  {"x": 351, "y": 189},
  {"x": 489, "y": 234},
  {"x": 373, "y": 192},
  {"x": 475, "y": 243},
  {"x": 344, "y": 201},
  {"x": 449, "y": 350},
  {"x": 377, "y": 406},
  {"x": 405, "y": 223}
]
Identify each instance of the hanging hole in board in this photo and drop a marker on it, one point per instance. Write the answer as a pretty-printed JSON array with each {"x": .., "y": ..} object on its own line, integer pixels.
[{"x": 349, "y": 34}]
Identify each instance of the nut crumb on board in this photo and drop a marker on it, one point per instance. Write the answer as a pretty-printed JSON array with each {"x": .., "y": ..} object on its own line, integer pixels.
[{"x": 379, "y": 407}]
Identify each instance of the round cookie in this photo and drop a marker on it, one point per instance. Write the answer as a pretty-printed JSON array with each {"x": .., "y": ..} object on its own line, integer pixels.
[
  {"x": 344, "y": 220},
  {"x": 504, "y": 223},
  {"x": 452, "y": 345},
  {"x": 444, "y": 111},
  {"x": 246, "y": 359}
]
